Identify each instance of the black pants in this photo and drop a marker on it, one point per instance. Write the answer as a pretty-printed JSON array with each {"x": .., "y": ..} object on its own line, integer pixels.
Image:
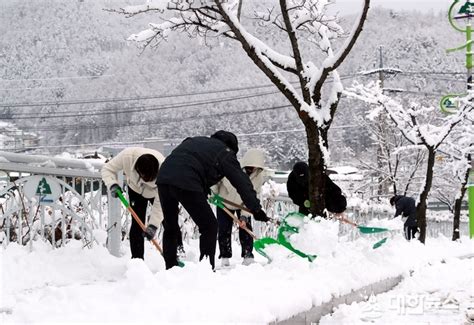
[
  {"x": 410, "y": 232},
  {"x": 199, "y": 210},
  {"x": 224, "y": 236},
  {"x": 139, "y": 205}
]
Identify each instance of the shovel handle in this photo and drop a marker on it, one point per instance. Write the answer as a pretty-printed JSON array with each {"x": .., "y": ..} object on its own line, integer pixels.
[
  {"x": 137, "y": 219},
  {"x": 243, "y": 208},
  {"x": 341, "y": 218},
  {"x": 237, "y": 221}
]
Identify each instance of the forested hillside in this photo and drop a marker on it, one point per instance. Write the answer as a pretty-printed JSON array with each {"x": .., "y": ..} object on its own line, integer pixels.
[{"x": 72, "y": 58}]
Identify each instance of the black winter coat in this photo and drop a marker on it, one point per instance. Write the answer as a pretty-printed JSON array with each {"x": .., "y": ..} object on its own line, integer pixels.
[
  {"x": 406, "y": 207},
  {"x": 200, "y": 162},
  {"x": 298, "y": 190}
]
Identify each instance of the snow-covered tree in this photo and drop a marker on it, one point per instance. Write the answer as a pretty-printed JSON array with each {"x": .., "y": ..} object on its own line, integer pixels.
[
  {"x": 421, "y": 126},
  {"x": 300, "y": 21},
  {"x": 454, "y": 169}
]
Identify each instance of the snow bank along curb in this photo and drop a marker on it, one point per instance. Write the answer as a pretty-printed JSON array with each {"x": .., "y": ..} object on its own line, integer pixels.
[
  {"x": 317, "y": 312},
  {"x": 314, "y": 314}
]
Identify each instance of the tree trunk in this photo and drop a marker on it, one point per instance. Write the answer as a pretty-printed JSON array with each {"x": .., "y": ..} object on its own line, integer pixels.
[
  {"x": 316, "y": 169},
  {"x": 457, "y": 207},
  {"x": 422, "y": 203}
]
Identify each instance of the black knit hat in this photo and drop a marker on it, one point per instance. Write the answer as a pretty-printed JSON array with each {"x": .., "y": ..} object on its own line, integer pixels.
[
  {"x": 147, "y": 167},
  {"x": 300, "y": 168},
  {"x": 228, "y": 138}
]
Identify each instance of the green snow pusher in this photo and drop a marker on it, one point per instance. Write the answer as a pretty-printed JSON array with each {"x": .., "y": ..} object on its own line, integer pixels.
[
  {"x": 262, "y": 243},
  {"x": 140, "y": 223},
  {"x": 290, "y": 225},
  {"x": 365, "y": 230}
]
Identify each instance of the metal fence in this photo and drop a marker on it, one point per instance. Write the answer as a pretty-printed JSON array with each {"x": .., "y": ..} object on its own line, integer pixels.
[
  {"x": 51, "y": 198},
  {"x": 83, "y": 206}
]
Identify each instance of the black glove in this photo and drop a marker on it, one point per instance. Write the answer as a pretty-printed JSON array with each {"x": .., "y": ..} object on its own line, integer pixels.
[
  {"x": 260, "y": 215},
  {"x": 150, "y": 232},
  {"x": 113, "y": 190}
]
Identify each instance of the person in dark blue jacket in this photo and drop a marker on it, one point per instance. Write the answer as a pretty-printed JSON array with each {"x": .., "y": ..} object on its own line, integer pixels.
[
  {"x": 406, "y": 207},
  {"x": 186, "y": 177}
]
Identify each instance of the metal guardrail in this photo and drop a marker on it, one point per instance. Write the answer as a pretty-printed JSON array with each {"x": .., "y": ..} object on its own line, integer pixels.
[
  {"x": 82, "y": 206},
  {"x": 85, "y": 205}
]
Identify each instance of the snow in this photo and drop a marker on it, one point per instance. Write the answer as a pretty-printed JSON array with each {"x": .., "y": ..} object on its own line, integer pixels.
[
  {"x": 438, "y": 293},
  {"x": 77, "y": 284}
]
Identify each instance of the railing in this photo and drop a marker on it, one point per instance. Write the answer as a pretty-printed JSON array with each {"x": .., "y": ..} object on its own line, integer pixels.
[
  {"x": 83, "y": 206},
  {"x": 282, "y": 205},
  {"x": 73, "y": 206}
]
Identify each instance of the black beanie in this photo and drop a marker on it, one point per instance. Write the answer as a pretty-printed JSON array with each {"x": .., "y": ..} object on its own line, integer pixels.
[{"x": 228, "y": 138}]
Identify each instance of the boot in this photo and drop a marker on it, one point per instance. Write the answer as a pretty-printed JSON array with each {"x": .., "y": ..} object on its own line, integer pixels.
[
  {"x": 248, "y": 261},
  {"x": 225, "y": 262}
]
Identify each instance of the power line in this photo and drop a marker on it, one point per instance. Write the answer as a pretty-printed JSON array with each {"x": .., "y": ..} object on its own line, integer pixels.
[
  {"x": 169, "y": 140},
  {"x": 122, "y": 99},
  {"x": 73, "y": 127},
  {"x": 61, "y": 78},
  {"x": 137, "y": 108},
  {"x": 161, "y": 96}
]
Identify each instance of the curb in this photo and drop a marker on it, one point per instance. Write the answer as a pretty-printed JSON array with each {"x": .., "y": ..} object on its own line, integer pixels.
[{"x": 313, "y": 315}]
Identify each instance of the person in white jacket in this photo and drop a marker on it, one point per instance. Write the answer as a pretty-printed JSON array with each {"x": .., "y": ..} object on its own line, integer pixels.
[
  {"x": 140, "y": 167},
  {"x": 253, "y": 163}
]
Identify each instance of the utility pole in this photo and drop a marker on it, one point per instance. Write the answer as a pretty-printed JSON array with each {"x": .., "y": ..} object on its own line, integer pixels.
[
  {"x": 449, "y": 103},
  {"x": 381, "y": 74},
  {"x": 382, "y": 128}
]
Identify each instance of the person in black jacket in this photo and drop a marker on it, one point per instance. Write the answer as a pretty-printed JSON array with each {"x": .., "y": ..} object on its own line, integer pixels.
[
  {"x": 406, "y": 207},
  {"x": 298, "y": 190},
  {"x": 186, "y": 177}
]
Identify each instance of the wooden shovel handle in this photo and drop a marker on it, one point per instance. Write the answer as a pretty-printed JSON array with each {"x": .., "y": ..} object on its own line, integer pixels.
[
  {"x": 237, "y": 221},
  {"x": 140, "y": 223},
  {"x": 241, "y": 207},
  {"x": 341, "y": 218}
]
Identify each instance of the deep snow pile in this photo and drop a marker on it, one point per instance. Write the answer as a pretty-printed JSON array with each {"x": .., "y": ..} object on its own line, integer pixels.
[{"x": 89, "y": 285}]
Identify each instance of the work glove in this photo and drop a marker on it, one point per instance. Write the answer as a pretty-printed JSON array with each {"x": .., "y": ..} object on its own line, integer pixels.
[
  {"x": 113, "y": 190},
  {"x": 260, "y": 215},
  {"x": 150, "y": 232}
]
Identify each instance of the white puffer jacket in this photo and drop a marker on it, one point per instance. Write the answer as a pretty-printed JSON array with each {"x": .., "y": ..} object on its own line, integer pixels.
[
  {"x": 125, "y": 161},
  {"x": 252, "y": 158}
]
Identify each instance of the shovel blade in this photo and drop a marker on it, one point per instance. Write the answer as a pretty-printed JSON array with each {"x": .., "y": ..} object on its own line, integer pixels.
[
  {"x": 371, "y": 230},
  {"x": 379, "y": 243},
  {"x": 260, "y": 245}
]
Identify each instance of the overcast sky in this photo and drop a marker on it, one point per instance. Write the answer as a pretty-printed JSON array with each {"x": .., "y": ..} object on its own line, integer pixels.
[{"x": 350, "y": 6}]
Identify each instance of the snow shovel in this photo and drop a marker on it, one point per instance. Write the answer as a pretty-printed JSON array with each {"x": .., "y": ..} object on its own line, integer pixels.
[
  {"x": 362, "y": 229},
  {"x": 366, "y": 230},
  {"x": 286, "y": 229},
  {"x": 259, "y": 244},
  {"x": 140, "y": 223}
]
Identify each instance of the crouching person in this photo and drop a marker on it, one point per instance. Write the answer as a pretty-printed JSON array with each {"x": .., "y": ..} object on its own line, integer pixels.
[{"x": 298, "y": 191}]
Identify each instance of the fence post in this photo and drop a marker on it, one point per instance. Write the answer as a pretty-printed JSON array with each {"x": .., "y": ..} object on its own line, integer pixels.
[{"x": 114, "y": 224}]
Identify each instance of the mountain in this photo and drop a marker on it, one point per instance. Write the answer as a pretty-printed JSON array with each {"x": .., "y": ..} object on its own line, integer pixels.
[{"x": 75, "y": 53}]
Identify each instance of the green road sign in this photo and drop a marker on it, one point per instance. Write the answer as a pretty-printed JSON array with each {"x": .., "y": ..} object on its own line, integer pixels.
[
  {"x": 449, "y": 103},
  {"x": 43, "y": 187}
]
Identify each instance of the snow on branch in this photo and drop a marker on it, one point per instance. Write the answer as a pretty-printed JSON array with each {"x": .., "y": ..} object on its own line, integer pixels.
[{"x": 408, "y": 119}]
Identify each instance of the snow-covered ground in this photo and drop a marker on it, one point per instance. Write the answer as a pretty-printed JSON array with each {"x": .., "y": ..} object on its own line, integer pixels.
[{"x": 76, "y": 284}]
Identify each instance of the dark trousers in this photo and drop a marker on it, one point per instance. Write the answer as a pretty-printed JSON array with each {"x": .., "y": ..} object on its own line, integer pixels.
[
  {"x": 225, "y": 223},
  {"x": 199, "y": 210},
  {"x": 410, "y": 232},
  {"x": 139, "y": 205}
]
